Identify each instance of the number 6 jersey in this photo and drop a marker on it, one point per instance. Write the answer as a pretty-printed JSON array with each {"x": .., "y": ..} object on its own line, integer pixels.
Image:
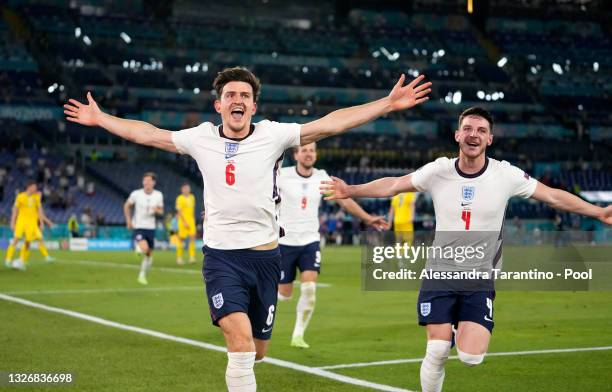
[{"x": 240, "y": 180}]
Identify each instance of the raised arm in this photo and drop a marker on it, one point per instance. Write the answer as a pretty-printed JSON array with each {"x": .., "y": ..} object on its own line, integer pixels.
[
  {"x": 339, "y": 121},
  {"x": 565, "y": 201},
  {"x": 135, "y": 131},
  {"x": 127, "y": 212},
  {"x": 383, "y": 187},
  {"x": 377, "y": 222}
]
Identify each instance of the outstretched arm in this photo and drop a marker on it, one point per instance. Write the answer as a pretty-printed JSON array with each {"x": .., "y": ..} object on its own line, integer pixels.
[
  {"x": 377, "y": 222},
  {"x": 339, "y": 121},
  {"x": 135, "y": 131},
  {"x": 43, "y": 218},
  {"x": 383, "y": 187},
  {"x": 565, "y": 201}
]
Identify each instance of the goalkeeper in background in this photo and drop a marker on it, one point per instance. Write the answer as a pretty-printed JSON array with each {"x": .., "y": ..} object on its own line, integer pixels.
[
  {"x": 185, "y": 216},
  {"x": 27, "y": 222}
]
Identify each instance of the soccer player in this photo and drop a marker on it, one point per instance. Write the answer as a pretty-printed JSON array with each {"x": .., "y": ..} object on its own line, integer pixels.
[
  {"x": 27, "y": 222},
  {"x": 470, "y": 193},
  {"x": 300, "y": 247},
  {"x": 239, "y": 163},
  {"x": 147, "y": 203},
  {"x": 401, "y": 215},
  {"x": 185, "y": 215}
]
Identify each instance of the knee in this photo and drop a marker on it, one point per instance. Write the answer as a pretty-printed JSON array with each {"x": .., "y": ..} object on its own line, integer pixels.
[
  {"x": 260, "y": 354},
  {"x": 285, "y": 295},
  {"x": 470, "y": 359}
]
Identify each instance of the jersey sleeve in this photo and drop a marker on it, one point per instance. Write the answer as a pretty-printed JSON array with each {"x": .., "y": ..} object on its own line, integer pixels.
[
  {"x": 161, "y": 200},
  {"x": 18, "y": 201},
  {"x": 519, "y": 182},
  {"x": 184, "y": 140},
  {"x": 177, "y": 203},
  {"x": 423, "y": 177},
  {"x": 132, "y": 198},
  {"x": 286, "y": 134}
]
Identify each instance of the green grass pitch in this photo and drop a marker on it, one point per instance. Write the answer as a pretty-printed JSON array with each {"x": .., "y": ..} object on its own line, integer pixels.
[{"x": 348, "y": 326}]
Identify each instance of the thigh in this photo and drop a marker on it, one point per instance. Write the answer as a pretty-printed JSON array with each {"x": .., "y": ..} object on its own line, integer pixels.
[
  {"x": 477, "y": 307},
  {"x": 289, "y": 258},
  {"x": 19, "y": 230},
  {"x": 236, "y": 329},
  {"x": 439, "y": 331},
  {"x": 264, "y": 297},
  {"x": 32, "y": 233},
  {"x": 310, "y": 258}
]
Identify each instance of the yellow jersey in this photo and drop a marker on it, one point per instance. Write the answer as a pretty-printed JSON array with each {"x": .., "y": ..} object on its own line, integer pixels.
[
  {"x": 27, "y": 208},
  {"x": 403, "y": 207},
  {"x": 186, "y": 205}
]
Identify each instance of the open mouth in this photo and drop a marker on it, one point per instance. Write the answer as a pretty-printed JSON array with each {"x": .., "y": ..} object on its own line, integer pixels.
[
  {"x": 473, "y": 144},
  {"x": 237, "y": 113}
]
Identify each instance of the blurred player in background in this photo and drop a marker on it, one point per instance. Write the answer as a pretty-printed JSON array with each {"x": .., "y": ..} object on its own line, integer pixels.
[
  {"x": 470, "y": 194},
  {"x": 148, "y": 203},
  {"x": 185, "y": 215},
  {"x": 239, "y": 163},
  {"x": 27, "y": 222},
  {"x": 300, "y": 247},
  {"x": 401, "y": 216}
]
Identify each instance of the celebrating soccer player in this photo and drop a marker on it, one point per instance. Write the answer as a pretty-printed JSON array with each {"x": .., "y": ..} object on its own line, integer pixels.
[
  {"x": 239, "y": 163},
  {"x": 185, "y": 215},
  {"x": 470, "y": 193},
  {"x": 27, "y": 222},
  {"x": 148, "y": 203},
  {"x": 299, "y": 217}
]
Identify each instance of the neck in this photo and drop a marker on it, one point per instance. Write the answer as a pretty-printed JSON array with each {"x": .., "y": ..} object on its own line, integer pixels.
[
  {"x": 303, "y": 171},
  {"x": 471, "y": 165},
  {"x": 147, "y": 191},
  {"x": 244, "y": 132}
]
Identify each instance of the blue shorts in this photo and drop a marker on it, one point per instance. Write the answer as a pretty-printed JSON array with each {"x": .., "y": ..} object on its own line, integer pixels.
[
  {"x": 440, "y": 307},
  {"x": 306, "y": 258},
  {"x": 146, "y": 235},
  {"x": 243, "y": 280}
]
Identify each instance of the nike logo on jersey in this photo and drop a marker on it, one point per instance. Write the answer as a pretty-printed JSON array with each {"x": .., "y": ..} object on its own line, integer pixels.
[{"x": 465, "y": 204}]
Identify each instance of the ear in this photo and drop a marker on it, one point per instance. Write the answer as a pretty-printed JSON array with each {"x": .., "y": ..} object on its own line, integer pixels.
[
  {"x": 218, "y": 106},
  {"x": 457, "y": 135},
  {"x": 490, "y": 141},
  {"x": 254, "y": 108}
]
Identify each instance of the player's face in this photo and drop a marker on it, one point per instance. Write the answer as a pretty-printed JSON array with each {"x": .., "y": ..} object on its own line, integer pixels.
[
  {"x": 236, "y": 106},
  {"x": 185, "y": 189},
  {"x": 148, "y": 183},
  {"x": 306, "y": 155},
  {"x": 31, "y": 189},
  {"x": 473, "y": 136}
]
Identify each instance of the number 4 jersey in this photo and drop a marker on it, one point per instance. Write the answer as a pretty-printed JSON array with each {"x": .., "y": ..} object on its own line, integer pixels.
[
  {"x": 299, "y": 213},
  {"x": 472, "y": 202},
  {"x": 240, "y": 178}
]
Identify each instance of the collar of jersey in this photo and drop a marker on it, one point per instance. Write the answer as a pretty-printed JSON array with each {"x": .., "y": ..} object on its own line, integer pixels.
[
  {"x": 473, "y": 175},
  {"x": 298, "y": 173},
  {"x": 236, "y": 139}
]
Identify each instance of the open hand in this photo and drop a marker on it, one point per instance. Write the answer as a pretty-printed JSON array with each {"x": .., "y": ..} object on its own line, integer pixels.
[
  {"x": 83, "y": 114},
  {"x": 606, "y": 215},
  {"x": 404, "y": 97},
  {"x": 335, "y": 189},
  {"x": 378, "y": 222}
]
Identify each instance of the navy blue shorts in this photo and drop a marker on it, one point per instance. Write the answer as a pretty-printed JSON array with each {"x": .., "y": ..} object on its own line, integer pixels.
[
  {"x": 146, "y": 235},
  {"x": 439, "y": 307},
  {"x": 306, "y": 258},
  {"x": 243, "y": 280}
]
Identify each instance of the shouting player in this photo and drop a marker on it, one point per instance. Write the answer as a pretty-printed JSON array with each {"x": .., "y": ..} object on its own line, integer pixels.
[
  {"x": 185, "y": 216},
  {"x": 148, "y": 203},
  {"x": 27, "y": 222},
  {"x": 300, "y": 247},
  {"x": 470, "y": 193},
  {"x": 239, "y": 163}
]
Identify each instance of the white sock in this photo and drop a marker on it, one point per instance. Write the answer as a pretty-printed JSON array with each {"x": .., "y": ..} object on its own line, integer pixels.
[
  {"x": 305, "y": 307},
  {"x": 145, "y": 265},
  {"x": 239, "y": 375},
  {"x": 432, "y": 368}
]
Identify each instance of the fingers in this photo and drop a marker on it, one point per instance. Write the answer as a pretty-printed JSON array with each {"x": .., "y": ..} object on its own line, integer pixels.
[
  {"x": 423, "y": 86},
  {"x": 423, "y": 93},
  {"x": 73, "y": 119},
  {"x": 401, "y": 80},
  {"x": 90, "y": 98},
  {"x": 421, "y": 100},
  {"x": 416, "y": 81},
  {"x": 75, "y": 102}
]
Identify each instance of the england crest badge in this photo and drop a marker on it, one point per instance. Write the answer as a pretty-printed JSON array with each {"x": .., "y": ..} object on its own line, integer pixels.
[
  {"x": 217, "y": 300},
  {"x": 467, "y": 192},
  {"x": 231, "y": 149},
  {"x": 425, "y": 309}
]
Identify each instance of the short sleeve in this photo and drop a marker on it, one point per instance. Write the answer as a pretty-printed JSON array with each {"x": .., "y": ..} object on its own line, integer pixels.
[
  {"x": 17, "y": 201},
  {"x": 286, "y": 134},
  {"x": 520, "y": 183},
  {"x": 161, "y": 200},
  {"x": 421, "y": 179},
  {"x": 184, "y": 140},
  {"x": 132, "y": 198}
]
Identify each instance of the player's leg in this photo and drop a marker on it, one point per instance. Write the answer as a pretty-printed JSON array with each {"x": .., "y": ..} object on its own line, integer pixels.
[
  {"x": 38, "y": 236},
  {"x": 241, "y": 352},
  {"x": 436, "y": 312},
  {"x": 475, "y": 326},
  {"x": 11, "y": 251},
  {"x": 180, "y": 244},
  {"x": 145, "y": 240},
  {"x": 289, "y": 258},
  {"x": 24, "y": 254},
  {"x": 192, "y": 249},
  {"x": 310, "y": 266}
]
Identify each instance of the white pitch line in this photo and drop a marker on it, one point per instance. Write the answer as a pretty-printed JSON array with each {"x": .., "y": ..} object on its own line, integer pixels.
[
  {"x": 500, "y": 354},
  {"x": 164, "y": 269},
  {"x": 278, "y": 362},
  {"x": 107, "y": 290}
]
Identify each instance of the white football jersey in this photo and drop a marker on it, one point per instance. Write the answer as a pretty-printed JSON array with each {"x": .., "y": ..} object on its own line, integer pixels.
[
  {"x": 474, "y": 202},
  {"x": 144, "y": 207},
  {"x": 299, "y": 211},
  {"x": 240, "y": 178}
]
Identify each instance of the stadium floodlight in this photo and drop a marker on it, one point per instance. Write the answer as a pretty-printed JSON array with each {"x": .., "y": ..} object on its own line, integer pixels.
[
  {"x": 501, "y": 95},
  {"x": 196, "y": 90},
  {"x": 368, "y": 73},
  {"x": 87, "y": 40},
  {"x": 188, "y": 68},
  {"x": 471, "y": 60},
  {"x": 503, "y": 61},
  {"x": 126, "y": 38},
  {"x": 580, "y": 107},
  {"x": 488, "y": 97},
  {"x": 415, "y": 51},
  {"x": 424, "y": 52},
  {"x": 448, "y": 99},
  {"x": 457, "y": 97},
  {"x": 480, "y": 94},
  {"x": 305, "y": 69},
  {"x": 534, "y": 70},
  {"x": 595, "y": 66},
  {"x": 495, "y": 96},
  {"x": 376, "y": 54},
  {"x": 441, "y": 52},
  {"x": 125, "y": 64},
  {"x": 557, "y": 68},
  {"x": 334, "y": 70},
  {"x": 77, "y": 32}
]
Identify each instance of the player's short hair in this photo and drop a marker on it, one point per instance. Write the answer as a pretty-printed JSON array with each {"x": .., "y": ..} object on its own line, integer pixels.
[
  {"x": 477, "y": 111},
  {"x": 237, "y": 74},
  {"x": 185, "y": 184},
  {"x": 30, "y": 182},
  {"x": 150, "y": 174},
  {"x": 296, "y": 149}
]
